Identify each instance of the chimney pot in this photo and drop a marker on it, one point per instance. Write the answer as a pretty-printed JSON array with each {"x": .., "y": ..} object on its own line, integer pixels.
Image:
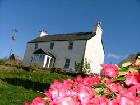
[{"x": 43, "y": 33}]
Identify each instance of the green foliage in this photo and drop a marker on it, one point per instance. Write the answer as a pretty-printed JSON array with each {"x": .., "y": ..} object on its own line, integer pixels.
[
  {"x": 82, "y": 67},
  {"x": 124, "y": 69},
  {"x": 131, "y": 59},
  {"x": 100, "y": 91},
  {"x": 120, "y": 79},
  {"x": 13, "y": 63},
  {"x": 34, "y": 67},
  {"x": 100, "y": 85},
  {"x": 18, "y": 85},
  {"x": 15, "y": 95},
  {"x": 2, "y": 61},
  {"x": 56, "y": 70}
]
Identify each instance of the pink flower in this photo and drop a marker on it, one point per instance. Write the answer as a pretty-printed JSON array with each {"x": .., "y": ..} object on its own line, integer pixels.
[
  {"x": 89, "y": 81},
  {"x": 68, "y": 84},
  {"x": 65, "y": 101},
  {"x": 110, "y": 70},
  {"x": 114, "y": 102},
  {"x": 108, "y": 82},
  {"x": 132, "y": 78},
  {"x": 81, "y": 91},
  {"x": 137, "y": 88},
  {"x": 85, "y": 93},
  {"x": 116, "y": 87},
  {"x": 125, "y": 101},
  {"x": 103, "y": 100},
  {"x": 37, "y": 101},
  {"x": 79, "y": 79},
  {"x": 53, "y": 91},
  {"x": 128, "y": 94},
  {"x": 95, "y": 101},
  {"x": 58, "y": 90}
]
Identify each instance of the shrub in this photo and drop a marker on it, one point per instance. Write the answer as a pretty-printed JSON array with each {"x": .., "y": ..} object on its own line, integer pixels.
[
  {"x": 56, "y": 70},
  {"x": 109, "y": 89},
  {"x": 83, "y": 67},
  {"x": 2, "y": 61}
]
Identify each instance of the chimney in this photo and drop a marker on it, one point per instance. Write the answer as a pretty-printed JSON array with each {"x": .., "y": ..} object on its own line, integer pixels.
[
  {"x": 98, "y": 29},
  {"x": 43, "y": 33}
]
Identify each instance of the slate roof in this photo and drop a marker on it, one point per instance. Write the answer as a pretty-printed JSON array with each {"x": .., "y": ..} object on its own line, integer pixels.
[
  {"x": 64, "y": 37},
  {"x": 40, "y": 51}
]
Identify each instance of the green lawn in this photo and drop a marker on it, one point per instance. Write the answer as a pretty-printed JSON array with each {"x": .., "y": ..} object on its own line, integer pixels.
[
  {"x": 18, "y": 86},
  {"x": 15, "y": 95}
]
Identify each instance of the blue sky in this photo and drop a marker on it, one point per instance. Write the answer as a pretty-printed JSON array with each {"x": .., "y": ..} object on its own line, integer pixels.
[{"x": 120, "y": 21}]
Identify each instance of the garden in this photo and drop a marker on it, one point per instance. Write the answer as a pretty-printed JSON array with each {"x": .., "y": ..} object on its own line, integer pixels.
[{"x": 119, "y": 85}]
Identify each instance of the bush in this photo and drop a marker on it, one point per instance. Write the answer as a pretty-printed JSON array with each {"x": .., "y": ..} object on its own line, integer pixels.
[
  {"x": 83, "y": 67},
  {"x": 2, "y": 61},
  {"x": 56, "y": 70},
  {"x": 109, "y": 89}
]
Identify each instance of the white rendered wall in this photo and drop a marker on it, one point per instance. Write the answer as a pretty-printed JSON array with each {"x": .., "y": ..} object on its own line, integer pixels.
[
  {"x": 60, "y": 51},
  {"x": 94, "y": 53}
]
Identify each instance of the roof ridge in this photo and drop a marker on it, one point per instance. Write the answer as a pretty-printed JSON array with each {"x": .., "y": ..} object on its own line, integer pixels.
[
  {"x": 71, "y": 33},
  {"x": 64, "y": 37}
]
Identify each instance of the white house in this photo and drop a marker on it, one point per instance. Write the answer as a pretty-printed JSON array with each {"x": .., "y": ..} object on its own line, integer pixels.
[{"x": 66, "y": 50}]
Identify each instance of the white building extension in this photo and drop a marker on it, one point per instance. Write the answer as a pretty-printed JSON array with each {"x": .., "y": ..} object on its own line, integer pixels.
[{"x": 66, "y": 50}]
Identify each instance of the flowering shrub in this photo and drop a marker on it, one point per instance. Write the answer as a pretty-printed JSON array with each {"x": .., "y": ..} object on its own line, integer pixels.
[
  {"x": 110, "y": 70},
  {"x": 108, "y": 89}
]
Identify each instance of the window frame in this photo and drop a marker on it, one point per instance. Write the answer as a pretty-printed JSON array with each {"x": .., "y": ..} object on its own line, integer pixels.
[
  {"x": 67, "y": 63},
  {"x": 70, "y": 46},
  {"x": 51, "y": 45},
  {"x": 36, "y": 46},
  {"x": 41, "y": 57}
]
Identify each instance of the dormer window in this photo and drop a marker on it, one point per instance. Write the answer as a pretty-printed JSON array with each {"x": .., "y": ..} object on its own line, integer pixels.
[
  {"x": 70, "y": 45},
  {"x": 51, "y": 45},
  {"x": 36, "y": 46}
]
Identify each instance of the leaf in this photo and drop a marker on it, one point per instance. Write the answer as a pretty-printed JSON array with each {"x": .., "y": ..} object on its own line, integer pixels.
[
  {"x": 100, "y": 91},
  {"x": 120, "y": 79},
  {"x": 100, "y": 85}
]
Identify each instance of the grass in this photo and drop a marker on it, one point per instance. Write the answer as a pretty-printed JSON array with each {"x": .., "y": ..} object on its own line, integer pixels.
[
  {"x": 18, "y": 86},
  {"x": 15, "y": 95}
]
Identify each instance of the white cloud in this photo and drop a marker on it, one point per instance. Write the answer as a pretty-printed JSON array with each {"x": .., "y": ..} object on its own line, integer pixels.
[{"x": 114, "y": 56}]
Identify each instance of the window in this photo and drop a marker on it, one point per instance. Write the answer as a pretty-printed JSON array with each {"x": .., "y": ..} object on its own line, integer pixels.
[
  {"x": 51, "y": 45},
  {"x": 67, "y": 63},
  {"x": 70, "y": 45},
  {"x": 36, "y": 46},
  {"x": 31, "y": 59},
  {"x": 41, "y": 58},
  {"x": 47, "y": 62},
  {"x": 51, "y": 62}
]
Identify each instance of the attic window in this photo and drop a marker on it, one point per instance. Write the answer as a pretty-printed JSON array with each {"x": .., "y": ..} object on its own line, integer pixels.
[
  {"x": 70, "y": 45},
  {"x": 36, "y": 46},
  {"x": 51, "y": 45}
]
